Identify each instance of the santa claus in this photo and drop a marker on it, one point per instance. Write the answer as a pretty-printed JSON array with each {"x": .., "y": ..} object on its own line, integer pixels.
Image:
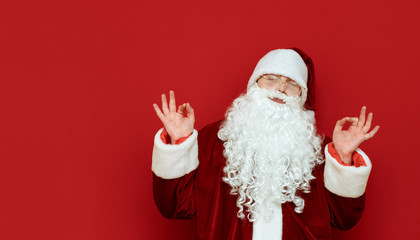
[{"x": 263, "y": 172}]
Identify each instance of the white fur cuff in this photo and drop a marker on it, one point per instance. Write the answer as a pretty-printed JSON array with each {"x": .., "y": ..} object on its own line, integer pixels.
[
  {"x": 346, "y": 181},
  {"x": 174, "y": 161}
]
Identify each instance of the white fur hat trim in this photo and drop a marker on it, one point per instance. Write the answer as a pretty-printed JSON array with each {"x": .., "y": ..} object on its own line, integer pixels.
[{"x": 285, "y": 62}]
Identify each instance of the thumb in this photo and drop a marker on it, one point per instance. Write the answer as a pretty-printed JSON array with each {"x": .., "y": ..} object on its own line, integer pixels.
[
  {"x": 190, "y": 111},
  {"x": 181, "y": 109},
  {"x": 340, "y": 124}
]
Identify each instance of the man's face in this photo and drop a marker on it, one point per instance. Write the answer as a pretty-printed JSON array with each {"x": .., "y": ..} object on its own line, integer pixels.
[{"x": 280, "y": 83}]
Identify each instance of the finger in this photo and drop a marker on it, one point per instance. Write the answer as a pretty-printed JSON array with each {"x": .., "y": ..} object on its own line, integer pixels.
[
  {"x": 353, "y": 121},
  {"x": 164, "y": 104},
  {"x": 340, "y": 124},
  {"x": 172, "y": 104},
  {"x": 190, "y": 111},
  {"x": 181, "y": 109},
  {"x": 158, "y": 112},
  {"x": 362, "y": 117},
  {"x": 368, "y": 123},
  {"x": 372, "y": 133}
]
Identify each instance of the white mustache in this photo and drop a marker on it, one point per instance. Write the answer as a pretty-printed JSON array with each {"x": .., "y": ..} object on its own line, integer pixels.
[{"x": 276, "y": 94}]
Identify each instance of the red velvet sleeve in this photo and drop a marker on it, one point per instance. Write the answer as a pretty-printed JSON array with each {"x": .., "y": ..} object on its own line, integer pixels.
[
  {"x": 345, "y": 212},
  {"x": 175, "y": 198}
]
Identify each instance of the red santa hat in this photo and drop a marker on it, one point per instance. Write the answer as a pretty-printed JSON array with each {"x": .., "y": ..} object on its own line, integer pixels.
[{"x": 285, "y": 62}]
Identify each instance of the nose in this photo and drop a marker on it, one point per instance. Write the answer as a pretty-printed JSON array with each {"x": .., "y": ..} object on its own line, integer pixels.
[{"x": 281, "y": 86}]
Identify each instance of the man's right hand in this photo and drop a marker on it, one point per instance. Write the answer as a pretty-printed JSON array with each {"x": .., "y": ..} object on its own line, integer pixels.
[{"x": 177, "y": 125}]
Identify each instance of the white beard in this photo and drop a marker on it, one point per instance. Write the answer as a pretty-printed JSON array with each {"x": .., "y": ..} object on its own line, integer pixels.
[{"x": 271, "y": 150}]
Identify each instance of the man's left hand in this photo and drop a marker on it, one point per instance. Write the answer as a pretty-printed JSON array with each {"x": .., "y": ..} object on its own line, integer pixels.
[{"x": 347, "y": 141}]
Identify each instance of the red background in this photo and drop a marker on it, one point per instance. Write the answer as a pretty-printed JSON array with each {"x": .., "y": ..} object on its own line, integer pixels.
[{"x": 78, "y": 79}]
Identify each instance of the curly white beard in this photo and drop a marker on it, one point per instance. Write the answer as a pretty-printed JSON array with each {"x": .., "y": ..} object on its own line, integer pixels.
[{"x": 271, "y": 150}]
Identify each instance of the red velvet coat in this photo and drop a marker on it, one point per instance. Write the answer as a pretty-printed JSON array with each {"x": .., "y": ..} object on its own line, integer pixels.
[{"x": 201, "y": 195}]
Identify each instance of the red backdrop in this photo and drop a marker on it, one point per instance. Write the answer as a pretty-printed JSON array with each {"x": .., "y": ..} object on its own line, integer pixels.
[{"x": 78, "y": 79}]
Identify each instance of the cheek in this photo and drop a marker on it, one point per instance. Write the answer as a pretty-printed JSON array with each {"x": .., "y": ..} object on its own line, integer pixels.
[{"x": 262, "y": 85}]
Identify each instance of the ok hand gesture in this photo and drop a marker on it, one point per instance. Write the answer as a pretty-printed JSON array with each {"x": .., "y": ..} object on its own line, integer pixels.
[
  {"x": 175, "y": 122},
  {"x": 347, "y": 141}
]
